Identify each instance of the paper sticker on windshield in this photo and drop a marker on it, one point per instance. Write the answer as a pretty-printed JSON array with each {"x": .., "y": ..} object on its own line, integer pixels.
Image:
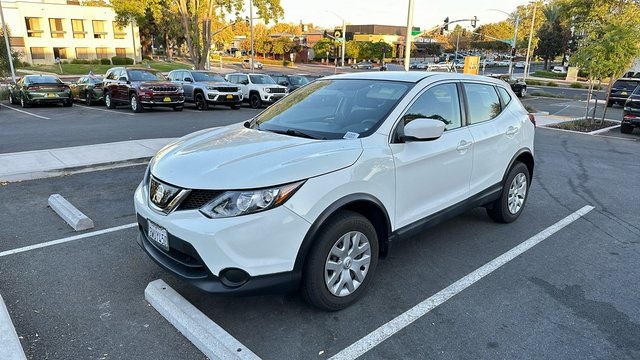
[{"x": 351, "y": 135}]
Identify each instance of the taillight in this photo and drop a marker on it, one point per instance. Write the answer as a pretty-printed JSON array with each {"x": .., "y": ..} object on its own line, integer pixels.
[
  {"x": 32, "y": 87},
  {"x": 532, "y": 119}
]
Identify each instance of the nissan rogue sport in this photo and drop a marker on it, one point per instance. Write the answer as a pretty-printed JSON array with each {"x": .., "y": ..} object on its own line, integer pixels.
[{"x": 310, "y": 193}]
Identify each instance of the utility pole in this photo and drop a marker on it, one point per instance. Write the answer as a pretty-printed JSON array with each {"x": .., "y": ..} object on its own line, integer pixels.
[
  {"x": 251, "y": 33},
  {"x": 407, "y": 41},
  {"x": 513, "y": 46},
  {"x": 133, "y": 38},
  {"x": 533, "y": 21},
  {"x": 6, "y": 42}
]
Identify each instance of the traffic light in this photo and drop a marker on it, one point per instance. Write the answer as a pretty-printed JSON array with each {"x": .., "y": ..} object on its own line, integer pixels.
[
  {"x": 446, "y": 24},
  {"x": 337, "y": 33},
  {"x": 324, "y": 35},
  {"x": 513, "y": 52},
  {"x": 247, "y": 21},
  {"x": 474, "y": 21}
]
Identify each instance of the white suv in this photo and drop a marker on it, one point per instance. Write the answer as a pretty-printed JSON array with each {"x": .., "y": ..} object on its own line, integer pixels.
[
  {"x": 312, "y": 191},
  {"x": 258, "y": 89}
]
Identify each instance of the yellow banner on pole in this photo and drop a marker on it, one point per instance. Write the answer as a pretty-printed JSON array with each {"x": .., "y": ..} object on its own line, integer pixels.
[{"x": 471, "y": 65}]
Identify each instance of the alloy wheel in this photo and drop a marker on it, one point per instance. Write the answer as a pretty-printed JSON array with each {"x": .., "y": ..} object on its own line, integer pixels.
[{"x": 517, "y": 193}]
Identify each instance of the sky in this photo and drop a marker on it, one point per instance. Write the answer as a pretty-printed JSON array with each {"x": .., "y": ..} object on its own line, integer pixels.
[{"x": 426, "y": 13}]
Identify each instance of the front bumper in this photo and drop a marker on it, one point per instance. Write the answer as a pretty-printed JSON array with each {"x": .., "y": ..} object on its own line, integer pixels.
[
  {"x": 271, "y": 98},
  {"x": 215, "y": 97},
  {"x": 264, "y": 246},
  {"x": 171, "y": 99}
]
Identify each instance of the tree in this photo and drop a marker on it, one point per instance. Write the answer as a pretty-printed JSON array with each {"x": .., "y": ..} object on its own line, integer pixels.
[
  {"x": 5, "y": 67},
  {"x": 322, "y": 47},
  {"x": 352, "y": 50},
  {"x": 553, "y": 37},
  {"x": 282, "y": 45}
]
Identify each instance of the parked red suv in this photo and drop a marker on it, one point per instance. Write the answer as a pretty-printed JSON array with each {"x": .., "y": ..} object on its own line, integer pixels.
[{"x": 140, "y": 88}]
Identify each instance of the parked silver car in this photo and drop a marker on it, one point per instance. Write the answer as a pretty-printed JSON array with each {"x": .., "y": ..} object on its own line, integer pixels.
[{"x": 205, "y": 88}]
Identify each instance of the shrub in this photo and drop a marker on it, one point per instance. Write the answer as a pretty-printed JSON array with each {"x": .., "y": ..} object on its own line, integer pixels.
[
  {"x": 95, "y": 62},
  {"x": 119, "y": 60},
  {"x": 576, "y": 86},
  {"x": 286, "y": 62},
  {"x": 105, "y": 61},
  {"x": 551, "y": 83},
  {"x": 79, "y": 61},
  {"x": 147, "y": 57}
]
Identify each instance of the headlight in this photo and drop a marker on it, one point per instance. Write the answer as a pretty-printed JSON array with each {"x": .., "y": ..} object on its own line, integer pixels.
[
  {"x": 267, "y": 90},
  {"x": 242, "y": 202},
  {"x": 144, "y": 88},
  {"x": 211, "y": 88}
]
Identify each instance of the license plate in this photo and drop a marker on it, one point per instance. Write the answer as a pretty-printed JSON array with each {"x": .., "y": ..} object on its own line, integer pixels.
[
  {"x": 158, "y": 235},
  {"x": 167, "y": 99},
  {"x": 229, "y": 97},
  {"x": 51, "y": 95}
]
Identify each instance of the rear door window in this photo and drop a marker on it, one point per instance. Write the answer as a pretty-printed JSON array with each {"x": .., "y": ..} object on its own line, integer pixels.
[{"x": 483, "y": 103}]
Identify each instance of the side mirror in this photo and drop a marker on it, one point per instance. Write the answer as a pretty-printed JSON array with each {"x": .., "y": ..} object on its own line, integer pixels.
[
  {"x": 244, "y": 82},
  {"x": 423, "y": 130},
  {"x": 188, "y": 79},
  {"x": 284, "y": 83}
]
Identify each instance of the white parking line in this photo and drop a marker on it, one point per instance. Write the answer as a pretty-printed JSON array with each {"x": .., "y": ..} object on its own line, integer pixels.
[
  {"x": 385, "y": 331},
  {"x": 24, "y": 112},
  {"x": 107, "y": 110},
  {"x": 64, "y": 240}
]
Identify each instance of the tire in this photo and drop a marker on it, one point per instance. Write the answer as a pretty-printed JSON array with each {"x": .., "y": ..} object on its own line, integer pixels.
[
  {"x": 136, "y": 107},
  {"x": 89, "y": 99},
  {"x": 523, "y": 92},
  {"x": 108, "y": 101},
  {"x": 24, "y": 103},
  {"x": 626, "y": 128},
  {"x": 331, "y": 252},
  {"x": 12, "y": 99},
  {"x": 201, "y": 102},
  {"x": 254, "y": 101},
  {"x": 515, "y": 192},
  {"x": 178, "y": 108}
]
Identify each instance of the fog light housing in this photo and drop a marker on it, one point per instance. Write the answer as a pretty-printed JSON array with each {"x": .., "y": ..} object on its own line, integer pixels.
[{"x": 233, "y": 277}]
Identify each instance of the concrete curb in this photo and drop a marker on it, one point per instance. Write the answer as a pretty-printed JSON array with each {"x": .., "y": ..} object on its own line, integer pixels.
[
  {"x": 11, "y": 348},
  {"x": 69, "y": 213},
  {"x": 206, "y": 335}
]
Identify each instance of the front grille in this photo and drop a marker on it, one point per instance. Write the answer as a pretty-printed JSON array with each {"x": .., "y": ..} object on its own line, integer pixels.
[
  {"x": 160, "y": 98},
  {"x": 197, "y": 198},
  {"x": 164, "y": 88},
  {"x": 229, "y": 89},
  {"x": 277, "y": 90}
]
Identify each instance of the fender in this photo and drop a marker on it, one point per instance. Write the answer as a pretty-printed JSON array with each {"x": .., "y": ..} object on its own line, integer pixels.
[
  {"x": 342, "y": 203},
  {"x": 529, "y": 163}
]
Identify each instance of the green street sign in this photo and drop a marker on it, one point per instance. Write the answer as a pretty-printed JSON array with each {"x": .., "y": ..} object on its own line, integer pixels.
[{"x": 416, "y": 32}]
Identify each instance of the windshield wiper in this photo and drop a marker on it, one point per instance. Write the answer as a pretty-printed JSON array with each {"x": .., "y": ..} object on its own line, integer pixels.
[{"x": 291, "y": 132}]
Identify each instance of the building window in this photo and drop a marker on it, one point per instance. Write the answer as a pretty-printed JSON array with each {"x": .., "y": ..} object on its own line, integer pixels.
[
  {"x": 37, "y": 53},
  {"x": 101, "y": 53},
  {"x": 60, "y": 53},
  {"x": 56, "y": 28},
  {"x": 122, "y": 52},
  {"x": 118, "y": 31},
  {"x": 33, "y": 27},
  {"x": 78, "y": 28},
  {"x": 98, "y": 29},
  {"x": 82, "y": 53}
]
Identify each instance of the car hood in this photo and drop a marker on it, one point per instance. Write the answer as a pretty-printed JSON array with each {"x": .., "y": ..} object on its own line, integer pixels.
[
  {"x": 215, "y": 83},
  {"x": 235, "y": 157},
  {"x": 155, "y": 83}
]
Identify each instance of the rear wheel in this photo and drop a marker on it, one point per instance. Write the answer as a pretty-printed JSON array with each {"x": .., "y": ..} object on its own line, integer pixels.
[
  {"x": 89, "y": 99},
  {"x": 514, "y": 195},
  {"x": 135, "y": 105},
  {"x": 254, "y": 101},
  {"x": 108, "y": 101},
  {"x": 24, "y": 102},
  {"x": 201, "y": 102},
  {"x": 626, "y": 128},
  {"x": 12, "y": 98},
  {"x": 341, "y": 263},
  {"x": 523, "y": 92}
]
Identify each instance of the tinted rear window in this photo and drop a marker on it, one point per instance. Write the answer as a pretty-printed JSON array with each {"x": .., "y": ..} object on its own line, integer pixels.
[{"x": 43, "y": 80}]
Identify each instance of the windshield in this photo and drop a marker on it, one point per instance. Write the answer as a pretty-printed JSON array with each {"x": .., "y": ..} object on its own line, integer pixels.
[
  {"x": 626, "y": 84},
  {"x": 43, "y": 80},
  {"x": 298, "y": 80},
  {"x": 207, "y": 76},
  {"x": 144, "y": 75},
  {"x": 334, "y": 109},
  {"x": 261, "y": 79}
]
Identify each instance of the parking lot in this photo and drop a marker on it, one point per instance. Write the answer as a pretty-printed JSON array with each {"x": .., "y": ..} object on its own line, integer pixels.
[{"x": 573, "y": 295}]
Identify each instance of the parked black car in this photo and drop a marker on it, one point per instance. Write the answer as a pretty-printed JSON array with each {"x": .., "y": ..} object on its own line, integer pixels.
[
  {"x": 40, "y": 89},
  {"x": 292, "y": 82},
  {"x": 621, "y": 90},
  {"x": 631, "y": 113},
  {"x": 139, "y": 88},
  {"x": 518, "y": 86}
]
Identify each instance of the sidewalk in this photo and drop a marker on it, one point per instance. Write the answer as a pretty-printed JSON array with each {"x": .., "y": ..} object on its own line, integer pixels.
[
  {"x": 39, "y": 164},
  {"x": 30, "y": 165}
]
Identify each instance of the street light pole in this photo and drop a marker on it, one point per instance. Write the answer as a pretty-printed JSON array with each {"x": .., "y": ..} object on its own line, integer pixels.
[
  {"x": 6, "y": 42},
  {"x": 407, "y": 49},
  {"x": 513, "y": 46},
  {"x": 533, "y": 21},
  {"x": 251, "y": 34}
]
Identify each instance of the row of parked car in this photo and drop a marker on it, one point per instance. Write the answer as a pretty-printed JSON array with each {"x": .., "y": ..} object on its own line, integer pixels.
[{"x": 141, "y": 88}]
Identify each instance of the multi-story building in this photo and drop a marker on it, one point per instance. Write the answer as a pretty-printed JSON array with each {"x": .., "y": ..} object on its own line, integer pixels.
[{"x": 45, "y": 30}]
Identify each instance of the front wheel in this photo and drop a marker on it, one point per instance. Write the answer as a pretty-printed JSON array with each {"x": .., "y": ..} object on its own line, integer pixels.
[
  {"x": 514, "y": 195},
  {"x": 341, "y": 263},
  {"x": 523, "y": 92},
  {"x": 135, "y": 105},
  {"x": 626, "y": 128},
  {"x": 254, "y": 101},
  {"x": 201, "y": 102}
]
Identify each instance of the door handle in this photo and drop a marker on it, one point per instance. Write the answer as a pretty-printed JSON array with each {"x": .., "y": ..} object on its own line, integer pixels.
[
  {"x": 463, "y": 145},
  {"x": 511, "y": 131}
]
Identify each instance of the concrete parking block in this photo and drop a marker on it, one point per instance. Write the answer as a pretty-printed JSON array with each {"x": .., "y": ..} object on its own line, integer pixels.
[
  {"x": 11, "y": 349},
  {"x": 205, "y": 334},
  {"x": 69, "y": 213}
]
